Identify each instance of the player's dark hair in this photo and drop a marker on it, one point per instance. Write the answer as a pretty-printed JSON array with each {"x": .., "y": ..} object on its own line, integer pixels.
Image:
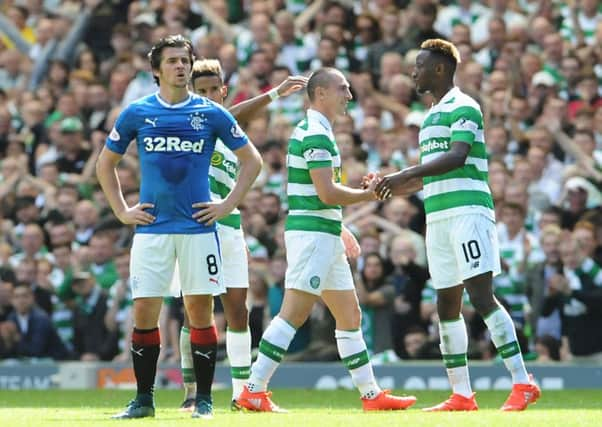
[
  {"x": 444, "y": 51},
  {"x": 319, "y": 78},
  {"x": 154, "y": 56}
]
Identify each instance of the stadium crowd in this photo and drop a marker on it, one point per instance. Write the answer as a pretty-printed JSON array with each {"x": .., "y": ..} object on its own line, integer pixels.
[{"x": 68, "y": 67}]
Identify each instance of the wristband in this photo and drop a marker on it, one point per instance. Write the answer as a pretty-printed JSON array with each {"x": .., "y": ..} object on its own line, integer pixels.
[{"x": 273, "y": 94}]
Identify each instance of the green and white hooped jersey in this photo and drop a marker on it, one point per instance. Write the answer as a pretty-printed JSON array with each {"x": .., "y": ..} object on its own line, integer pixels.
[
  {"x": 457, "y": 117},
  {"x": 222, "y": 178},
  {"x": 588, "y": 26},
  {"x": 312, "y": 145}
]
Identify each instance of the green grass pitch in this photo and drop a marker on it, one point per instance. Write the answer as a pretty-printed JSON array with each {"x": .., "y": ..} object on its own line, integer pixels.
[{"x": 92, "y": 408}]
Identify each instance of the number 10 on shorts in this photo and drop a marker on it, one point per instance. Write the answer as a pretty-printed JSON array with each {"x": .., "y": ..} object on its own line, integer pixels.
[{"x": 471, "y": 250}]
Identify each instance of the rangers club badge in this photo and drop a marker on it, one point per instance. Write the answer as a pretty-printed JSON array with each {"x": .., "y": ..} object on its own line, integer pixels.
[{"x": 197, "y": 121}]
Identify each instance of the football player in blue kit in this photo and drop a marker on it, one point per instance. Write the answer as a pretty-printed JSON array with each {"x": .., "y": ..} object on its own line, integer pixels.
[{"x": 175, "y": 133}]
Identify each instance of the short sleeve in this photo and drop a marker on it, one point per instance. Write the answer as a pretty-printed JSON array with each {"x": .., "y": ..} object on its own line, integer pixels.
[
  {"x": 316, "y": 151},
  {"x": 123, "y": 131},
  {"x": 466, "y": 121},
  {"x": 227, "y": 128}
]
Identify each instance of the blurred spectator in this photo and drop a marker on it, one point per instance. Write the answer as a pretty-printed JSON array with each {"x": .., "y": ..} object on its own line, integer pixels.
[
  {"x": 418, "y": 345},
  {"x": 518, "y": 248},
  {"x": 425, "y": 15},
  {"x": 27, "y": 273},
  {"x": 92, "y": 340},
  {"x": 376, "y": 301},
  {"x": 102, "y": 253},
  {"x": 118, "y": 319},
  {"x": 35, "y": 335},
  {"x": 391, "y": 42},
  {"x": 464, "y": 12},
  {"x": 8, "y": 281},
  {"x": 408, "y": 280},
  {"x": 498, "y": 8},
  {"x": 538, "y": 279},
  {"x": 489, "y": 54},
  {"x": 547, "y": 349},
  {"x": 575, "y": 195},
  {"x": 577, "y": 293}
]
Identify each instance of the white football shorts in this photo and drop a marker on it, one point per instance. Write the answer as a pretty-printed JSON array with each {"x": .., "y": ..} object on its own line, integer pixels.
[
  {"x": 461, "y": 247},
  {"x": 316, "y": 263},
  {"x": 153, "y": 261}
]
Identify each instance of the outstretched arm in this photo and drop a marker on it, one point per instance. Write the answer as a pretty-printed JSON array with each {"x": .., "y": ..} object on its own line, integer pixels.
[
  {"x": 332, "y": 193},
  {"x": 246, "y": 110}
]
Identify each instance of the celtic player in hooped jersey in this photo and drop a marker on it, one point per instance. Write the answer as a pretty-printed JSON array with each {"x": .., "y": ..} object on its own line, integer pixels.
[
  {"x": 317, "y": 266},
  {"x": 461, "y": 237},
  {"x": 207, "y": 81},
  {"x": 175, "y": 133}
]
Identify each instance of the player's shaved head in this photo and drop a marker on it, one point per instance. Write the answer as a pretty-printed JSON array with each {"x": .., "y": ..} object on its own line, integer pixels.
[{"x": 320, "y": 78}]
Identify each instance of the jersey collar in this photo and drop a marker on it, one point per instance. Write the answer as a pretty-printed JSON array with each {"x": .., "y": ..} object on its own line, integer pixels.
[
  {"x": 449, "y": 95},
  {"x": 316, "y": 115},
  {"x": 168, "y": 105}
]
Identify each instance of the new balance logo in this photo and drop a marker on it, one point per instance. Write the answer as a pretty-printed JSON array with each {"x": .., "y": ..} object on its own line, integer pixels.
[
  {"x": 205, "y": 355},
  {"x": 151, "y": 122},
  {"x": 137, "y": 352},
  {"x": 528, "y": 395},
  {"x": 475, "y": 264}
]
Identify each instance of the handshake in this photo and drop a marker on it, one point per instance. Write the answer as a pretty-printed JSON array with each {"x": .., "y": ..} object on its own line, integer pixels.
[{"x": 395, "y": 184}]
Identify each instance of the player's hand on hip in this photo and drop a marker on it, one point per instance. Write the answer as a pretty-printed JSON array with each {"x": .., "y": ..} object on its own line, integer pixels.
[
  {"x": 136, "y": 215},
  {"x": 209, "y": 212},
  {"x": 291, "y": 85}
]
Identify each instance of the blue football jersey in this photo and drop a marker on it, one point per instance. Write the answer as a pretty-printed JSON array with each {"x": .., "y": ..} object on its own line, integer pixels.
[{"x": 175, "y": 144}]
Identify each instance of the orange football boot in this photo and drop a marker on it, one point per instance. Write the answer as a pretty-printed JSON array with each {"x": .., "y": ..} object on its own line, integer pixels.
[
  {"x": 456, "y": 402},
  {"x": 522, "y": 395},
  {"x": 387, "y": 402},
  {"x": 258, "y": 401}
]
